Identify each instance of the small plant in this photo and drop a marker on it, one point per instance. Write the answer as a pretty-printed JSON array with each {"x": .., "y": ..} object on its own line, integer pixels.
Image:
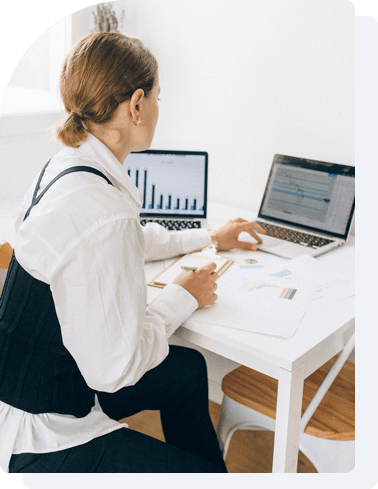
[{"x": 105, "y": 18}]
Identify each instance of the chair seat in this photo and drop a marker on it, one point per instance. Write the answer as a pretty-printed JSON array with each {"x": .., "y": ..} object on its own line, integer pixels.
[
  {"x": 334, "y": 418},
  {"x": 5, "y": 254}
]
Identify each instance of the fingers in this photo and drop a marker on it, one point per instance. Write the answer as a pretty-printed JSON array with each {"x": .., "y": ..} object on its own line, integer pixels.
[
  {"x": 200, "y": 283},
  {"x": 209, "y": 266},
  {"x": 212, "y": 285},
  {"x": 239, "y": 219},
  {"x": 250, "y": 228},
  {"x": 245, "y": 245},
  {"x": 248, "y": 225},
  {"x": 214, "y": 298}
]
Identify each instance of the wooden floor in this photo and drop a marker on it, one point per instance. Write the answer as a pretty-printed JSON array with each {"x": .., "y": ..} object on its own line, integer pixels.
[{"x": 250, "y": 451}]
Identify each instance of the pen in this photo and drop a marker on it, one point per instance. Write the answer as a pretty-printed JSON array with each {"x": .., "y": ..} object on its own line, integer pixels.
[{"x": 185, "y": 267}]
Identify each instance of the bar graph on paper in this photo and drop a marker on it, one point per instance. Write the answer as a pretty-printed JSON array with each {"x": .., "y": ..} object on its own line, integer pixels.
[
  {"x": 174, "y": 184},
  {"x": 274, "y": 291}
]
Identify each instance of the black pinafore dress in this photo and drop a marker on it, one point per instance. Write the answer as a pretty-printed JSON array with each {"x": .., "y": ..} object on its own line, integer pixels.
[{"x": 37, "y": 373}]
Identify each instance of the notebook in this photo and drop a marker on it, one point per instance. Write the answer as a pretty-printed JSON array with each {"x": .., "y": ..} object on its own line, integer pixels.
[
  {"x": 173, "y": 186},
  {"x": 192, "y": 260},
  {"x": 307, "y": 207}
]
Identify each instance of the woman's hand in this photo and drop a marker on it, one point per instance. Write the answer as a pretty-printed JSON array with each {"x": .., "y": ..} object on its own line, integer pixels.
[
  {"x": 227, "y": 235},
  {"x": 200, "y": 283}
]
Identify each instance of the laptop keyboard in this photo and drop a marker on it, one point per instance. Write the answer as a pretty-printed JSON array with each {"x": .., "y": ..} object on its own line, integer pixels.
[
  {"x": 172, "y": 224},
  {"x": 303, "y": 239}
]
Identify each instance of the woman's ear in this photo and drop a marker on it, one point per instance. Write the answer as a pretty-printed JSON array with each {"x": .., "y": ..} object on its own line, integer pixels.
[{"x": 135, "y": 104}]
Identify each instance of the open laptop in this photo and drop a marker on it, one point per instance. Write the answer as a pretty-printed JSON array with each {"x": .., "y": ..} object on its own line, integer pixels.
[
  {"x": 307, "y": 207},
  {"x": 173, "y": 186}
]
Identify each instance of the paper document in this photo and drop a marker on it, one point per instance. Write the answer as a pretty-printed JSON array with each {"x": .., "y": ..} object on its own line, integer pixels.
[
  {"x": 272, "y": 297},
  {"x": 329, "y": 287},
  {"x": 255, "y": 301}
]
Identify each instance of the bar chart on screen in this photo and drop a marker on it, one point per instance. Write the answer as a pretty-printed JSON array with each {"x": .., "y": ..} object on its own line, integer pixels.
[{"x": 169, "y": 183}]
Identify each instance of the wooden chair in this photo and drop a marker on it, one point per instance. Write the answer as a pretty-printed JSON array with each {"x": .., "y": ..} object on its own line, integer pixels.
[
  {"x": 5, "y": 258},
  {"x": 327, "y": 433}
]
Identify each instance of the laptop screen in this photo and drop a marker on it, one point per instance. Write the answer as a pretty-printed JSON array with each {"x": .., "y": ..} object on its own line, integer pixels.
[
  {"x": 315, "y": 195},
  {"x": 173, "y": 184}
]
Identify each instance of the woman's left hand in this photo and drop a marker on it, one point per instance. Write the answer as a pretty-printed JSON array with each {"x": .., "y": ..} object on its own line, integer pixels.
[{"x": 228, "y": 234}]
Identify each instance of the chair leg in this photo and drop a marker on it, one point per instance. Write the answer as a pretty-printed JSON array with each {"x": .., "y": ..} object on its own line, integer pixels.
[
  {"x": 328, "y": 456},
  {"x": 235, "y": 416}
]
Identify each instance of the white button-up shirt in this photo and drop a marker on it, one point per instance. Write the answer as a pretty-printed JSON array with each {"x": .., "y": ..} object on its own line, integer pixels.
[{"x": 84, "y": 239}]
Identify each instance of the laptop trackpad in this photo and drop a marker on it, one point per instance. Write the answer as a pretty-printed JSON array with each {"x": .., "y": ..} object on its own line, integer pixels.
[
  {"x": 268, "y": 241},
  {"x": 281, "y": 248}
]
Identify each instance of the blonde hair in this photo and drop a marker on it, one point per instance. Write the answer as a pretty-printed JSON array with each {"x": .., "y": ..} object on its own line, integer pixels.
[{"x": 101, "y": 71}]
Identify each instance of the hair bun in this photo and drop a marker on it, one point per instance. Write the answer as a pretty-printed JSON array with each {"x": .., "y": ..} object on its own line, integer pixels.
[
  {"x": 77, "y": 112},
  {"x": 71, "y": 131}
]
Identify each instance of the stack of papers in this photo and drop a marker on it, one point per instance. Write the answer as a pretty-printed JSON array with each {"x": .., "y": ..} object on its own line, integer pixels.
[
  {"x": 273, "y": 300},
  {"x": 329, "y": 287}
]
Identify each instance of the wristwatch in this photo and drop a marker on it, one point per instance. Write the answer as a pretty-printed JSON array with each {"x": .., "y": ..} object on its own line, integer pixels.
[{"x": 213, "y": 237}]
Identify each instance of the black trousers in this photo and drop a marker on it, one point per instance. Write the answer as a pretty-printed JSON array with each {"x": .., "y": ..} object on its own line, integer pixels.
[{"x": 178, "y": 388}]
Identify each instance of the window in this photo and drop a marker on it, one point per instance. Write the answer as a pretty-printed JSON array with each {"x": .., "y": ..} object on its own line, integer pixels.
[{"x": 33, "y": 86}]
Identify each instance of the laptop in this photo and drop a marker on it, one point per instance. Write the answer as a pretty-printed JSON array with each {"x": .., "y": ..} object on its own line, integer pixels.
[
  {"x": 307, "y": 207},
  {"x": 173, "y": 186}
]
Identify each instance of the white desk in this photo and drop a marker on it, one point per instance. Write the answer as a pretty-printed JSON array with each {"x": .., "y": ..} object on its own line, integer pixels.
[{"x": 323, "y": 333}]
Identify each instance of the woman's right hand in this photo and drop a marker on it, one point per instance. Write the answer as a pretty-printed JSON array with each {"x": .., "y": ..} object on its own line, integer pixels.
[{"x": 200, "y": 283}]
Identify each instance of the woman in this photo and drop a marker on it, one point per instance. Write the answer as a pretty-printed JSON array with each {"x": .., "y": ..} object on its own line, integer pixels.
[{"x": 79, "y": 348}]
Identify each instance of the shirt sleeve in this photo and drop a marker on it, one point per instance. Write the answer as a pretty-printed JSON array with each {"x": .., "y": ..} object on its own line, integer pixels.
[
  {"x": 161, "y": 243},
  {"x": 100, "y": 295}
]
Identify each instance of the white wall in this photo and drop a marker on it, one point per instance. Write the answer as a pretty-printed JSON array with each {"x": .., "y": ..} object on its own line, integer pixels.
[
  {"x": 241, "y": 79},
  {"x": 246, "y": 79},
  {"x": 26, "y": 144}
]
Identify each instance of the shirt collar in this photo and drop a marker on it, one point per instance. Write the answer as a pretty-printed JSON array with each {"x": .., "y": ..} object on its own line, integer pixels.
[{"x": 101, "y": 154}]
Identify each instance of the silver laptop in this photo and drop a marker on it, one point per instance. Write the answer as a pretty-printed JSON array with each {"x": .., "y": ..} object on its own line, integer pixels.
[
  {"x": 307, "y": 207},
  {"x": 173, "y": 185}
]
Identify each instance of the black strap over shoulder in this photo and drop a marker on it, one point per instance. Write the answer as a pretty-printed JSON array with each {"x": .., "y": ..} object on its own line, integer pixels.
[
  {"x": 73, "y": 169},
  {"x": 37, "y": 372}
]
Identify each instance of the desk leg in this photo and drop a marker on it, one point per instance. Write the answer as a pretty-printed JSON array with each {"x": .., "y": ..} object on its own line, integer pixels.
[{"x": 288, "y": 417}]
